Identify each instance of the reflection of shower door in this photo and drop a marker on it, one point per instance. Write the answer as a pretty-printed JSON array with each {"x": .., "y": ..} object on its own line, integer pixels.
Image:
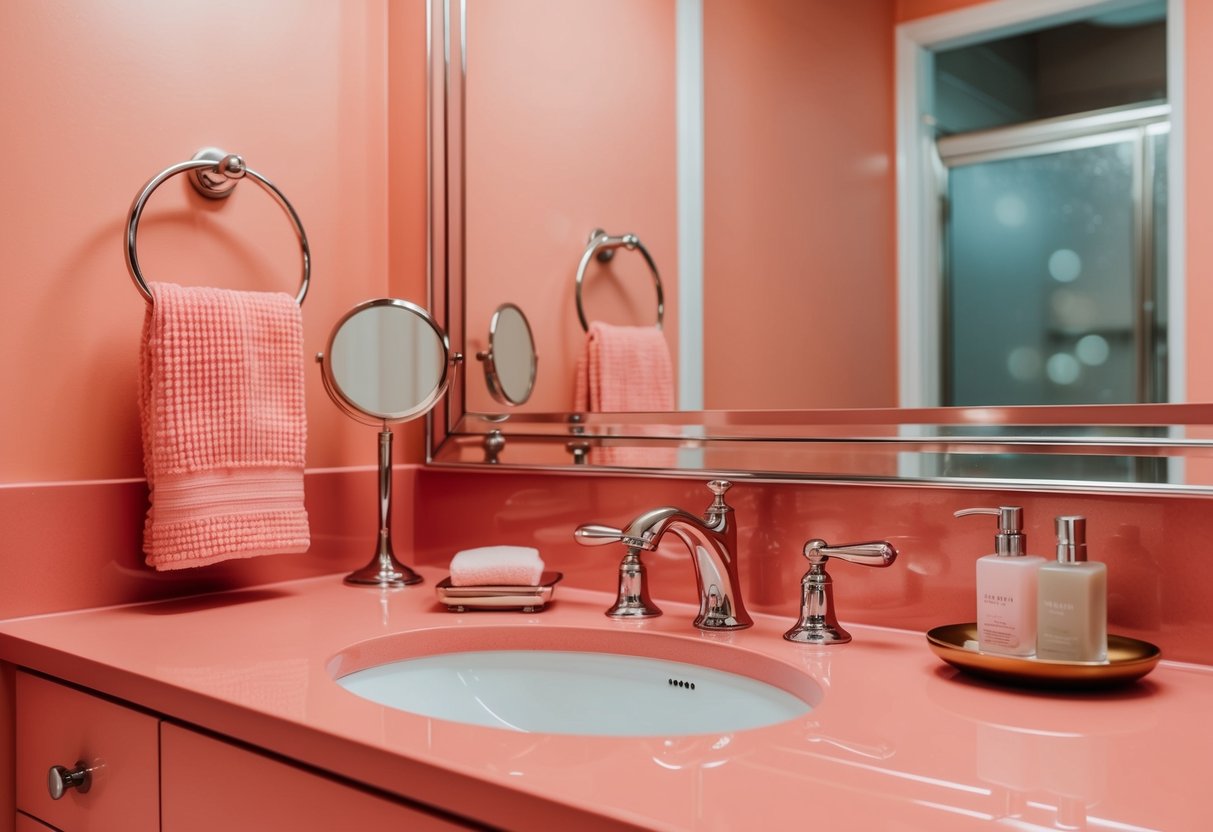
[{"x": 1055, "y": 262}]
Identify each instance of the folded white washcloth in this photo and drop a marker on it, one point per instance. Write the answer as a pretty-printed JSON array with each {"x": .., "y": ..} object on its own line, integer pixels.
[{"x": 497, "y": 566}]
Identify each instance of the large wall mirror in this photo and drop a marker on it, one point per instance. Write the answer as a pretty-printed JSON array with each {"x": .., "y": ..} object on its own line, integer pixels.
[{"x": 939, "y": 249}]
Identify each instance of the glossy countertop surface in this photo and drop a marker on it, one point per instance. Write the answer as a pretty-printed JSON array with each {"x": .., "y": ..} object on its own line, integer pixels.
[{"x": 897, "y": 740}]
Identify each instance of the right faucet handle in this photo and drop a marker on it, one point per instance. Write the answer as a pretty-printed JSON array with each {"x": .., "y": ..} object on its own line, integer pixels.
[
  {"x": 877, "y": 553},
  {"x": 818, "y": 623}
]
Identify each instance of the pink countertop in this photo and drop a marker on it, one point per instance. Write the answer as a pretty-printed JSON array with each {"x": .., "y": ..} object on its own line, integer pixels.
[{"x": 899, "y": 740}]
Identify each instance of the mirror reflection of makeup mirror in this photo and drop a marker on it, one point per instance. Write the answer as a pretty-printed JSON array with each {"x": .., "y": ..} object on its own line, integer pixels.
[
  {"x": 387, "y": 361},
  {"x": 510, "y": 362}
]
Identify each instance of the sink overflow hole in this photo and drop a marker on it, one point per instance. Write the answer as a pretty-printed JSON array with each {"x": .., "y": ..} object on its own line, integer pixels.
[{"x": 679, "y": 683}]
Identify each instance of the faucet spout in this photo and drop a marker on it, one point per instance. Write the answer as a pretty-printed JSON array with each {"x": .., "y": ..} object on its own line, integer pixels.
[{"x": 712, "y": 543}]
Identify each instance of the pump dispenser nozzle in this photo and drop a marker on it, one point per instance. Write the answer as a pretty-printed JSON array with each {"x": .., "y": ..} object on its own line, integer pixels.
[
  {"x": 1010, "y": 542},
  {"x": 1071, "y": 539}
]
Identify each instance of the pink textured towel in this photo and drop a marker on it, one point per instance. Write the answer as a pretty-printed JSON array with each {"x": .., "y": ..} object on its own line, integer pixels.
[
  {"x": 497, "y": 566},
  {"x": 624, "y": 369},
  {"x": 224, "y": 426}
]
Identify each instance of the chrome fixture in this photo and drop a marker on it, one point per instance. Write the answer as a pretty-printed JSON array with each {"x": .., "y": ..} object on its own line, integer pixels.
[
  {"x": 712, "y": 541},
  {"x": 387, "y": 361},
  {"x": 818, "y": 623},
  {"x": 214, "y": 174},
  {"x": 59, "y": 779},
  {"x": 602, "y": 246}
]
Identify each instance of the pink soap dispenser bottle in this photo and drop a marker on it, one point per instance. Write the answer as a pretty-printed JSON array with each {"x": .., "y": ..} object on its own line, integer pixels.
[{"x": 1006, "y": 587}]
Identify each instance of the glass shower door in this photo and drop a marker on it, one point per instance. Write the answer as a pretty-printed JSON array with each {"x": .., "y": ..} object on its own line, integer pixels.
[{"x": 1050, "y": 294}]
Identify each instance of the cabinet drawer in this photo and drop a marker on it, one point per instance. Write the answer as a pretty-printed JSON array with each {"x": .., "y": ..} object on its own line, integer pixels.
[
  {"x": 27, "y": 824},
  {"x": 211, "y": 785},
  {"x": 60, "y": 726}
]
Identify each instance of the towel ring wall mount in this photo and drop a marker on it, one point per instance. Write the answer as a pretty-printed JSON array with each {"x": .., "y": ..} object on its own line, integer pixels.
[
  {"x": 602, "y": 246},
  {"x": 214, "y": 173}
]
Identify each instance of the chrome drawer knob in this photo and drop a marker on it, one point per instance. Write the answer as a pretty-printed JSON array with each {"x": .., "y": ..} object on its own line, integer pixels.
[{"x": 59, "y": 779}]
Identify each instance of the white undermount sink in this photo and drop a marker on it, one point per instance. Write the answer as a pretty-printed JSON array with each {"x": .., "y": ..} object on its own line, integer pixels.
[{"x": 585, "y": 692}]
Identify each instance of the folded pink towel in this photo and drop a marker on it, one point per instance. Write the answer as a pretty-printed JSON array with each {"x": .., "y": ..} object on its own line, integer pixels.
[
  {"x": 224, "y": 426},
  {"x": 624, "y": 369},
  {"x": 497, "y": 566}
]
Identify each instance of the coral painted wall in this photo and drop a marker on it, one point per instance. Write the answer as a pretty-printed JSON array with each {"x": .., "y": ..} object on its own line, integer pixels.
[
  {"x": 558, "y": 146},
  {"x": 798, "y": 117},
  {"x": 99, "y": 97}
]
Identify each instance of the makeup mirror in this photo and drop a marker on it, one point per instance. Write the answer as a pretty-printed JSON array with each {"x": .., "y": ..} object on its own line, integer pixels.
[
  {"x": 510, "y": 362},
  {"x": 386, "y": 361}
]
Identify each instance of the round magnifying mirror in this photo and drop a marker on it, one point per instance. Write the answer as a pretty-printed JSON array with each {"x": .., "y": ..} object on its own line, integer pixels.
[
  {"x": 387, "y": 361},
  {"x": 510, "y": 363}
]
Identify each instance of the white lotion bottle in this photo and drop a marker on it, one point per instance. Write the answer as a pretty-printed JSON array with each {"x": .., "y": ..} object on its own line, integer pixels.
[
  {"x": 1006, "y": 587},
  {"x": 1072, "y": 622}
]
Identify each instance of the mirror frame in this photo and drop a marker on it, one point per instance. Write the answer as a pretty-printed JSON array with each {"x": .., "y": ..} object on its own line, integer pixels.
[
  {"x": 343, "y": 401},
  {"x": 490, "y": 358},
  {"x": 1173, "y": 432}
]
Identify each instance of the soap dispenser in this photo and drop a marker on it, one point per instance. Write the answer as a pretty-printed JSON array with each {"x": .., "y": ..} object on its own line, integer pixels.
[
  {"x": 1006, "y": 587},
  {"x": 1072, "y": 610}
]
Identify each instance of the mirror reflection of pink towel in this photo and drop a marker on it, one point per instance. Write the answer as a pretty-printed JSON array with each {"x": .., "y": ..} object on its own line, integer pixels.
[
  {"x": 625, "y": 369},
  {"x": 224, "y": 425}
]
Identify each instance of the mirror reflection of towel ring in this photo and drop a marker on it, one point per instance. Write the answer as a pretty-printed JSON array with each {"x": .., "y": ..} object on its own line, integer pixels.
[{"x": 603, "y": 246}]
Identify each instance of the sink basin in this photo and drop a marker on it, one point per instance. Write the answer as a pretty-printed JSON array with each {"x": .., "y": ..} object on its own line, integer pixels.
[{"x": 583, "y": 692}]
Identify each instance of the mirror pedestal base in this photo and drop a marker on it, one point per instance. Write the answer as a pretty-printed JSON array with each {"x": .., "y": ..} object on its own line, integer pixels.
[
  {"x": 385, "y": 572},
  {"x": 385, "y": 576}
]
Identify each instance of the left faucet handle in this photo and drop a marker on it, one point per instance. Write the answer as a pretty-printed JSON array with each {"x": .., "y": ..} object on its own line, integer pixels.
[{"x": 593, "y": 534}]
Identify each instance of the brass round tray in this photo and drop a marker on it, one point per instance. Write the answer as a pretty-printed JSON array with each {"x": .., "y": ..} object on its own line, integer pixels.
[{"x": 1128, "y": 659}]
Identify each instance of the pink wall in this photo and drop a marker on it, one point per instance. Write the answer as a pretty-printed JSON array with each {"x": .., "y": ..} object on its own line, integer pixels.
[
  {"x": 557, "y": 146},
  {"x": 804, "y": 172},
  {"x": 99, "y": 97},
  {"x": 1158, "y": 580}
]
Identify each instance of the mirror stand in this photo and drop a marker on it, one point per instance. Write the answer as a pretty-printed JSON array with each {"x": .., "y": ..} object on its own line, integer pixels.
[
  {"x": 384, "y": 570},
  {"x": 387, "y": 361}
]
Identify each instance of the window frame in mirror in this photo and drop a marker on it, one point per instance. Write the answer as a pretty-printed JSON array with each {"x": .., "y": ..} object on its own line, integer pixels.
[{"x": 1179, "y": 434}]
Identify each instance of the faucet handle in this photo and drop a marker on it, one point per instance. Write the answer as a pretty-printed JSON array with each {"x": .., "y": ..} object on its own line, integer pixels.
[
  {"x": 877, "y": 553},
  {"x": 593, "y": 534},
  {"x": 818, "y": 623}
]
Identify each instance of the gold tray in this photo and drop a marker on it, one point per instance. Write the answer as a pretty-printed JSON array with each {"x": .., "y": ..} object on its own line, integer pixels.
[
  {"x": 525, "y": 598},
  {"x": 1128, "y": 659}
]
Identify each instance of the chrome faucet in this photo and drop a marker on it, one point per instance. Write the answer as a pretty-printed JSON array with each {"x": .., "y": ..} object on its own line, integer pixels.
[
  {"x": 818, "y": 623},
  {"x": 712, "y": 541}
]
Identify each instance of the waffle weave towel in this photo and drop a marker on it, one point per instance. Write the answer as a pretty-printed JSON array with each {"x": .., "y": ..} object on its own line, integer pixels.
[
  {"x": 624, "y": 369},
  {"x": 224, "y": 425}
]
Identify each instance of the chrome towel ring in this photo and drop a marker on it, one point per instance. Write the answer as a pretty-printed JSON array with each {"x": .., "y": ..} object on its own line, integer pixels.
[
  {"x": 603, "y": 246},
  {"x": 215, "y": 174}
]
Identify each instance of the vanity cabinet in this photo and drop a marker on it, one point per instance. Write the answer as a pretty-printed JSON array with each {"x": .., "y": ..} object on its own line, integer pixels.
[
  {"x": 146, "y": 773},
  {"x": 59, "y": 725},
  {"x": 210, "y": 784}
]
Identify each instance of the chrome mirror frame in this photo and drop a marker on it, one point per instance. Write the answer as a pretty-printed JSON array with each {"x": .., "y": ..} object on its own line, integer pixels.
[
  {"x": 384, "y": 570},
  {"x": 771, "y": 445}
]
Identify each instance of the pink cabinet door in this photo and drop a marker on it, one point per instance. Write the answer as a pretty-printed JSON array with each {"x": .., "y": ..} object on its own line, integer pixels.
[
  {"x": 27, "y": 824},
  {"x": 209, "y": 785},
  {"x": 60, "y": 726}
]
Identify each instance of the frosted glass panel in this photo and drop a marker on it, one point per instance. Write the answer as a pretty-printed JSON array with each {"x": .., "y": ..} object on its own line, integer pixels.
[{"x": 1040, "y": 295}]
